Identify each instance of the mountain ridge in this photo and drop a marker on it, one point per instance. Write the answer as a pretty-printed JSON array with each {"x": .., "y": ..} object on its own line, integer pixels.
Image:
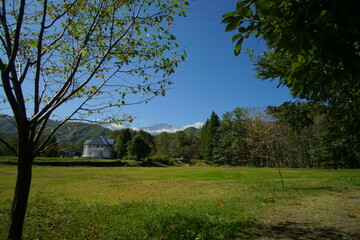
[
  {"x": 156, "y": 129},
  {"x": 77, "y": 131}
]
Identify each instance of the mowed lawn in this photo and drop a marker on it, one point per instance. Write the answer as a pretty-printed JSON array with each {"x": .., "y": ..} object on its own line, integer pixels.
[{"x": 186, "y": 203}]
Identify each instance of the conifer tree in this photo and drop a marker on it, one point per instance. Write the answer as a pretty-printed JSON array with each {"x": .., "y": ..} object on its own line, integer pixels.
[{"x": 209, "y": 137}]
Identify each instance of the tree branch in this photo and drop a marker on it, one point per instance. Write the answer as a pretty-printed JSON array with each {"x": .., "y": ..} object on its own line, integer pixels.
[
  {"x": 11, "y": 148},
  {"x": 38, "y": 60},
  {"x": 7, "y": 45}
]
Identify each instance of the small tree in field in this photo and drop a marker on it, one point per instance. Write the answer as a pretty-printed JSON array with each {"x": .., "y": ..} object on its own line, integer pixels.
[{"x": 78, "y": 58}]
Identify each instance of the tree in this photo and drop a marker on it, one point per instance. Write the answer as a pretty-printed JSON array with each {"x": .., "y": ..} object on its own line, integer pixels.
[
  {"x": 139, "y": 148},
  {"x": 96, "y": 54},
  {"x": 163, "y": 143},
  {"x": 313, "y": 45},
  {"x": 148, "y": 138},
  {"x": 299, "y": 118},
  {"x": 315, "y": 135},
  {"x": 122, "y": 138},
  {"x": 232, "y": 146},
  {"x": 178, "y": 144},
  {"x": 313, "y": 48},
  {"x": 209, "y": 137}
]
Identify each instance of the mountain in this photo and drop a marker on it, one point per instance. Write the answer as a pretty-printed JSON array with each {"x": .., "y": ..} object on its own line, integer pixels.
[
  {"x": 157, "y": 128},
  {"x": 191, "y": 129},
  {"x": 74, "y": 131}
]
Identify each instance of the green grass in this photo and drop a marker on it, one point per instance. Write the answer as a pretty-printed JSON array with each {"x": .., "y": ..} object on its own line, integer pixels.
[
  {"x": 12, "y": 159},
  {"x": 161, "y": 203}
]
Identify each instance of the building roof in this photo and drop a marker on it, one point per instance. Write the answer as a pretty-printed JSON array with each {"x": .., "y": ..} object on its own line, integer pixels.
[{"x": 100, "y": 140}]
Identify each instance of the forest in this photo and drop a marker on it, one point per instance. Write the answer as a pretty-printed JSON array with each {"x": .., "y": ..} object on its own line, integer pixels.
[{"x": 295, "y": 135}]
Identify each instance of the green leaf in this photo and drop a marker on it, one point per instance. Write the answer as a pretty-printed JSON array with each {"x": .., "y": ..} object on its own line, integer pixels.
[
  {"x": 237, "y": 49},
  {"x": 229, "y": 14},
  {"x": 232, "y": 25},
  {"x": 236, "y": 37}
]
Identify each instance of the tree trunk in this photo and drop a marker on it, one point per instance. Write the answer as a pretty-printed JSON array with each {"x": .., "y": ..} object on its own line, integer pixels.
[
  {"x": 280, "y": 175},
  {"x": 22, "y": 187}
]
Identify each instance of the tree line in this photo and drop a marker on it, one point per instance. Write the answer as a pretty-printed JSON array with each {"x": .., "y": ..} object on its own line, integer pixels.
[
  {"x": 312, "y": 49},
  {"x": 294, "y": 134}
]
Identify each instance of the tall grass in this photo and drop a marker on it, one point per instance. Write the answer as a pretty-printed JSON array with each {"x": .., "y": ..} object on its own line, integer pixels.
[{"x": 160, "y": 203}]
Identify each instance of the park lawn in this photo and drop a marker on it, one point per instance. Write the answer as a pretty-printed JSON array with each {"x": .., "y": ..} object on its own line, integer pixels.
[
  {"x": 197, "y": 202},
  {"x": 13, "y": 159}
]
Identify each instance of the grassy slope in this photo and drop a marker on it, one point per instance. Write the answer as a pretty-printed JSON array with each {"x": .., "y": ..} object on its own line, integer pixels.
[
  {"x": 181, "y": 202},
  {"x": 74, "y": 131}
]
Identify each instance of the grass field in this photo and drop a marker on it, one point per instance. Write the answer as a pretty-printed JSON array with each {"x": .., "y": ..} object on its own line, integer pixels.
[{"x": 186, "y": 203}]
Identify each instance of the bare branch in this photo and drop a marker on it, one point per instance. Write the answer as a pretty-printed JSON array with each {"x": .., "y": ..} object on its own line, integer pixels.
[
  {"x": 58, "y": 99},
  {"x": 24, "y": 73},
  {"x": 11, "y": 148},
  {"x": 57, "y": 142},
  {"x": 4, "y": 45},
  {"x": 9, "y": 119},
  {"x": 3, "y": 20},
  {"x": 38, "y": 60},
  {"x": 61, "y": 15},
  {"x": 16, "y": 40}
]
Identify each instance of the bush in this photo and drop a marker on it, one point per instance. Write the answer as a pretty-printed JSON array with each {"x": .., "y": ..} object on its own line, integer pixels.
[{"x": 161, "y": 159}]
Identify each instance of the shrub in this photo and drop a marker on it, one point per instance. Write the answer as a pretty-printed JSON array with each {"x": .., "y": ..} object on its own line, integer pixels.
[{"x": 161, "y": 159}]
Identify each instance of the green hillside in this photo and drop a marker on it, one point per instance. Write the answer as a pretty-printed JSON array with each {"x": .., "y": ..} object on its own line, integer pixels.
[{"x": 73, "y": 131}]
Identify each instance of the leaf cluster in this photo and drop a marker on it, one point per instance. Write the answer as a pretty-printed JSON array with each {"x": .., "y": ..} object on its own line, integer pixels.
[{"x": 313, "y": 45}]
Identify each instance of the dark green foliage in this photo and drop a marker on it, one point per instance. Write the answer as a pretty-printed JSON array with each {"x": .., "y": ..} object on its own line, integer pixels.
[
  {"x": 147, "y": 137},
  {"x": 232, "y": 147},
  {"x": 318, "y": 134},
  {"x": 164, "y": 144},
  {"x": 314, "y": 50},
  {"x": 176, "y": 145},
  {"x": 122, "y": 138},
  {"x": 343, "y": 111},
  {"x": 162, "y": 159},
  {"x": 314, "y": 45},
  {"x": 138, "y": 147},
  {"x": 209, "y": 137}
]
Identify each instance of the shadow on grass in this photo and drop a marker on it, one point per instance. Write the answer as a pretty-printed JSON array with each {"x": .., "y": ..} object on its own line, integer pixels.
[
  {"x": 296, "y": 230},
  {"x": 312, "y": 188},
  {"x": 141, "y": 221},
  {"x": 75, "y": 163},
  {"x": 90, "y": 164},
  {"x": 194, "y": 228}
]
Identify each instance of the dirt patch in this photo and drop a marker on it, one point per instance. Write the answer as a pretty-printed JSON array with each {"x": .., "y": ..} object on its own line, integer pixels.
[{"x": 330, "y": 216}]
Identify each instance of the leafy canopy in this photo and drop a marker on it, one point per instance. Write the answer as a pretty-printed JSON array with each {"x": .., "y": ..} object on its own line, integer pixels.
[
  {"x": 100, "y": 53},
  {"x": 313, "y": 46}
]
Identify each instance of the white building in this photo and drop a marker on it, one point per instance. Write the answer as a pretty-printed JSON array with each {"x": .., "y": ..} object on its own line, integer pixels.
[{"x": 99, "y": 147}]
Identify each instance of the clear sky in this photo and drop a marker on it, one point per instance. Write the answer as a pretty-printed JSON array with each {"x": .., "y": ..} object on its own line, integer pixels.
[{"x": 212, "y": 78}]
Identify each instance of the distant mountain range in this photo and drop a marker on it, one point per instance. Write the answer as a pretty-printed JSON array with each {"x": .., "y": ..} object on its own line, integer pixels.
[
  {"x": 158, "y": 128},
  {"x": 81, "y": 131}
]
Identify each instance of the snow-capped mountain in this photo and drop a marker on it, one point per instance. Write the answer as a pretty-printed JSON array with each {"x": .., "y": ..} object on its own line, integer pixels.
[{"x": 155, "y": 129}]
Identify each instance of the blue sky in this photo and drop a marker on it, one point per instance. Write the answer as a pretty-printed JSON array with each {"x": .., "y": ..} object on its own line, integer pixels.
[{"x": 212, "y": 78}]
